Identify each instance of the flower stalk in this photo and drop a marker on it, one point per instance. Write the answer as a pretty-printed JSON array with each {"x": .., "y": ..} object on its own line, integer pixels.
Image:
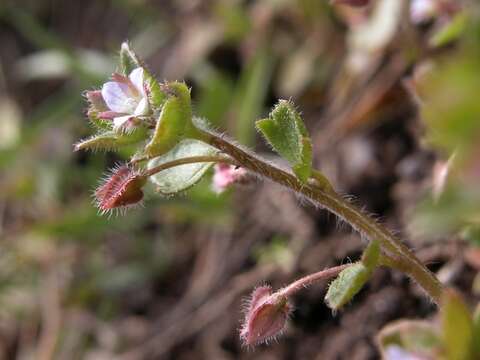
[{"x": 333, "y": 202}]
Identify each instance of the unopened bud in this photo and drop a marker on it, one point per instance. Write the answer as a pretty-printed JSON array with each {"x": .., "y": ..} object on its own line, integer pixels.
[
  {"x": 266, "y": 316},
  {"x": 120, "y": 190},
  {"x": 226, "y": 175}
]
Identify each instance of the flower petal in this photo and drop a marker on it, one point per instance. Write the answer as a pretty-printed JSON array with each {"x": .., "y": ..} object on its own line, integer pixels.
[
  {"x": 136, "y": 77},
  {"x": 117, "y": 99},
  {"x": 120, "y": 121},
  {"x": 142, "y": 107}
]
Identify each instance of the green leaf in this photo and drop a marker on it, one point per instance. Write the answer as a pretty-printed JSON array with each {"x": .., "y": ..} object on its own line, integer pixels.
[
  {"x": 111, "y": 140},
  {"x": 417, "y": 338},
  {"x": 174, "y": 122},
  {"x": 182, "y": 177},
  {"x": 348, "y": 283},
  {"x": 451, "y": 31},
  {"x": 156, "y": 96},
  {"x": 457, "y": 327},
  {"x": 476, "y": 332},
  {"x": 285, "y": 132}
]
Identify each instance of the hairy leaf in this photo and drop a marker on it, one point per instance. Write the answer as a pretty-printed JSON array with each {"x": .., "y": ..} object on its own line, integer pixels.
[
  {"x": 285, "y": 132},
  {"x": 111, "y": 140},
  {"x": 174, "y": 123},
  {"x": 348, "y": 283},
  {"x": 182, "y": 177}
]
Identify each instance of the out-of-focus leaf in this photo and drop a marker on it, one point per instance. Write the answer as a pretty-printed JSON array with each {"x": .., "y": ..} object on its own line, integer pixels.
[
  {"x": 451, "y": 107},
  {"x": 450, "y": 31},
  {"x": 457, "y": 327},
  {"x": 417, "y": 339},
  {"x": 277, "y": 251},
  {"x": 454, "y": 211},
  {"x": 216, "y": 94},
  {"x": 250, "y": 95},
  {"x": 235, "y": 21},
  {"x": 182, "y": 177},
  {"x": 10, "y": 123},
  {"x": 476, "y": 332}
]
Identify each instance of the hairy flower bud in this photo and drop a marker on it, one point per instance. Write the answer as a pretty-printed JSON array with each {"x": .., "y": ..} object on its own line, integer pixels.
[
  {"x": 265, "y": 317},
  {"x": 120, "y": 190}
]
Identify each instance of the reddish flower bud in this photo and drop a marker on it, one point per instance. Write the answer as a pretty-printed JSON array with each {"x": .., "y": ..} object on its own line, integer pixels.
[
  {"x": 354, "y": 3},
  {"x": 121, "y": 189},
  {"x": 265, "y": 317}
]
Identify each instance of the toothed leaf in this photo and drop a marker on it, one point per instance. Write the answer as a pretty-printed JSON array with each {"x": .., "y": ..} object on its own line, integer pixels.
[
  {"x": 182, "y": 177},
  {"x": 285, "y": 132}
]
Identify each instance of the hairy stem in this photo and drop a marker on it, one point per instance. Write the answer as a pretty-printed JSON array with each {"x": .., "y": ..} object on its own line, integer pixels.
[
  {"x": 310, "y": 279},
  {"x": 189, "y": 160},
  {"x": 333, "y": 202}
]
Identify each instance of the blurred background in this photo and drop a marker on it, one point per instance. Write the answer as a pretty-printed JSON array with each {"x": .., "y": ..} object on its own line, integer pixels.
[{"x": 389, "y": 94}]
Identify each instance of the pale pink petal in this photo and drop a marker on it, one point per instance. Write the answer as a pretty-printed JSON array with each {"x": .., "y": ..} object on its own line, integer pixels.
[
  {"x": 136, "y": 77},
  {"x": 116, "y": 97},
  {"x": 142, "y": 108},
  {"x": 121, "y": 121}
]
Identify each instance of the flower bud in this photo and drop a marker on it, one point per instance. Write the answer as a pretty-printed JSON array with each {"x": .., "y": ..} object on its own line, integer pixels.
[
  {"x": 265, "y": 317},
  {"x": 121, "y": 189},
  {"x": 226, "y": 175}
]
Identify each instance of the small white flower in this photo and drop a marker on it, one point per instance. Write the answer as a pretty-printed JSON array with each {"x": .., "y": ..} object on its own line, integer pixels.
[{"x": 126, "y": 99}]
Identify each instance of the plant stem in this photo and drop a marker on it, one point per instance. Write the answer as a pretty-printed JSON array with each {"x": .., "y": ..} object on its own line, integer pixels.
[
  {"x": 189, "y": 160},
  {"x": 310, "y": 279},
  {"x": 335, "y": 204}
]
